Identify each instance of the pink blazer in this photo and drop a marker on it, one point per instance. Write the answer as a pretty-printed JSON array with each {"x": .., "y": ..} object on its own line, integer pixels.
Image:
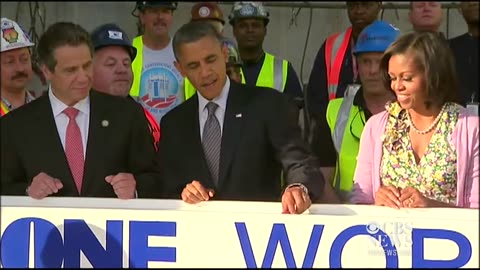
[{"x": 465, "y": 139}]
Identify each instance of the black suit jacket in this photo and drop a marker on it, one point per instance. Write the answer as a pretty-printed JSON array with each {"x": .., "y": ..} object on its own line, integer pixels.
[
  {"x": 31, "y": 144},
  {"x": 259, "y": 138}
]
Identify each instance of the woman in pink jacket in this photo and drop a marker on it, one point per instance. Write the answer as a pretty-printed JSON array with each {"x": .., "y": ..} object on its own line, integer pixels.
[{"x": 423, "y": 150}]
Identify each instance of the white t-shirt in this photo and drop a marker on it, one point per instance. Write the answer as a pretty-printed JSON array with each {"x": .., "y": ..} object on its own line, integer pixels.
[{"x": 161, "y": 84}]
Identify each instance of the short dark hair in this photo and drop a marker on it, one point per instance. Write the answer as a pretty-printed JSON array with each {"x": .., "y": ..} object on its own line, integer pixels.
[
  {"x": 432, "y": 56},
  {"x": 191, "y": 32},
  {"x": 61, "y": 34}
]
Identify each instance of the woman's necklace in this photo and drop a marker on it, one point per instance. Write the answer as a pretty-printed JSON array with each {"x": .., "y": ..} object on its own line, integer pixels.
[{"x": 431, "y": 127}]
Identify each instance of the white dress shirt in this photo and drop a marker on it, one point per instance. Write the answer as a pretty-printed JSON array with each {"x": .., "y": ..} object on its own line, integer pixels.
[
  {"x": 61, "y": 119},
  {"x": 221, "y": 101}
]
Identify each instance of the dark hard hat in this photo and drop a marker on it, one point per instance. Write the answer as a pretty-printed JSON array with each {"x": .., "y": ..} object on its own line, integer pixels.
[
  {"x": 112, "y": 35},
  {"x": 143, "y": 4}
]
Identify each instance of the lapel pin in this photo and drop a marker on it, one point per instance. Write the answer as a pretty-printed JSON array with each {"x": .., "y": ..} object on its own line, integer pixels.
[
  {"x": 105, "y": 123},
  {"x": 238, "y": 115}
]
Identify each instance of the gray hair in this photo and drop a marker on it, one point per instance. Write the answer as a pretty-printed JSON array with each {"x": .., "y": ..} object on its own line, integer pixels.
[{"x": 191, "y": 32}]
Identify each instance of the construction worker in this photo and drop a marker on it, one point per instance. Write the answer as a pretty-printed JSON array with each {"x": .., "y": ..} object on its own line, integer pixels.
[
  {"x": 16, "y": 66},
  {"x": 426, "y": 16},
  {"x": 465, "y": 50},
  {"x": 249, "y": 21},
  {"x": 234, "y": 63},
  {"x": 347, "y": 116},
  {"x": 157, "y": 84},
  {"x": 333, "y": 70},
  {"x": 209, "y": 12},
  {"x": 112, "y": 67}
]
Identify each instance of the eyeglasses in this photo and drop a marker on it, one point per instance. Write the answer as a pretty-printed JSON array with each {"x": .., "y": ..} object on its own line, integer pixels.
[{"x": 355, "y": 128}]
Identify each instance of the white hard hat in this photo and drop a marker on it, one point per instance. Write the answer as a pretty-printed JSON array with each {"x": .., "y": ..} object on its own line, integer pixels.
[
  {"x": 13, "y": 36},
  {"x": 248, "y": 10}
]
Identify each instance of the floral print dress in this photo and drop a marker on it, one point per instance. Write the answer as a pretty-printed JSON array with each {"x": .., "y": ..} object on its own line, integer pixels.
[{"x": 435, "y": 176}]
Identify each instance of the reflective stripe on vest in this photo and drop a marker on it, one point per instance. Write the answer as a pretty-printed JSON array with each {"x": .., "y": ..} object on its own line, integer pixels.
[
  {"x": 335, "y": 48},
  {"x": 273, "y": 73},
  {"x": 3, "y": 109},
  {"x": 190, "y": 89},
  {"x": 154, "y": 128},
  {"x": 137, "y": 66},
  {"x": 340, "y": 114}
]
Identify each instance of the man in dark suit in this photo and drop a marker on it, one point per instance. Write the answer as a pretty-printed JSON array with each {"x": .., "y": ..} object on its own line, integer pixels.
[
  {"x": 231, "y": 141},
  {"x": 465, "y": 50},
  {"x": 76, "y": 141}
]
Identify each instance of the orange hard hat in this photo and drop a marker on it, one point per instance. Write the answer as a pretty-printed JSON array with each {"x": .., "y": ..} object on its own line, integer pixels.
[{"x": 207, "y": 11}]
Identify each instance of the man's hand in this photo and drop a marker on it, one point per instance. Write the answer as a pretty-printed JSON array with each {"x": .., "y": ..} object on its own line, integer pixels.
[
  {"x": 388, "y": 196},
  {"x": 295, "y": 200},
  {"x": 43, "y": 185},
  {"x": 123, "y": 184},
  {"x": 195, "y": 193}
]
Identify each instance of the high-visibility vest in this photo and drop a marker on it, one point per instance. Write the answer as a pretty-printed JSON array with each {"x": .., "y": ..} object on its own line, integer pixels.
[
  {"x": 335, "y": 47},
  {"x": 189, "y": 88},
  {"x": 154, "y": 127},
  {"x": 340, "y": 114},
  {"x": 273, "y": 74},
  {"x": 3, "y": 109},
  {"x": 137, "y": 66}
]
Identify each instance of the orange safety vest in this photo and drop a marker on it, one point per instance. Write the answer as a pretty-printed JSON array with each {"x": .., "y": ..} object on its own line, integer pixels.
[
  {"x": 335, "y": 47},
  {"x": 154, "y": 127},
  {"x": 3, "y": 109}
]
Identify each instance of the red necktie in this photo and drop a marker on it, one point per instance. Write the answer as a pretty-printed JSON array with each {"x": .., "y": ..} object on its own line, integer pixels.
[{"x": 74, "y": 147}]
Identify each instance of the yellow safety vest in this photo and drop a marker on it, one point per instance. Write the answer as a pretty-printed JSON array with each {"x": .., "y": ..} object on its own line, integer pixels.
[
  {"x": 273, "y": 74},
  {"x": 137, "y": 66},
  {"x": 344, "y": 118}
]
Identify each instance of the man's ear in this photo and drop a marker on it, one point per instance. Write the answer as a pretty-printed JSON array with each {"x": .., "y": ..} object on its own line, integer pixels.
[
  {"x": 225, "y": 52},
  {"x": 46, "y": 72},
  {"x": 410, "y": 15},
  {"x": 179, "y": 68}
]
